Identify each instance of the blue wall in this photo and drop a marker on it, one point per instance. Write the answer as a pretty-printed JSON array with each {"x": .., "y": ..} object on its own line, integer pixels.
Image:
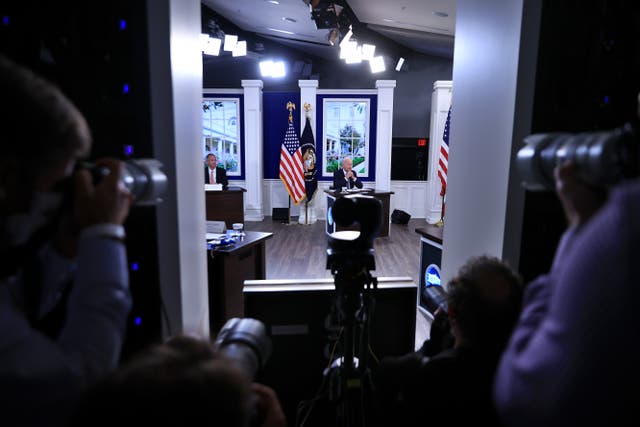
[{"x": 275, "y": 119}]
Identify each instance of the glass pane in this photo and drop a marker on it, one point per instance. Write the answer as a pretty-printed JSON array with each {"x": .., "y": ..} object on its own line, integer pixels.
[
  {"x": 221, "y": 133},
  {"x": 345, "y": 134}
]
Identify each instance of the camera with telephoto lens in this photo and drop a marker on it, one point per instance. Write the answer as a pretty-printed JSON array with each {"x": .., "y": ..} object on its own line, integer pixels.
[
  {"x": 603, "y": 159},
  {"x": 144, "y": 179},
  {"x": 245, "y": 342}
]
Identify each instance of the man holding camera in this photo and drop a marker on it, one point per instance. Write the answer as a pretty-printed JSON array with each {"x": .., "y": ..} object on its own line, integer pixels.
[
  {"x": 56, "y": 227},
  {"x": 573, "y": 357}
]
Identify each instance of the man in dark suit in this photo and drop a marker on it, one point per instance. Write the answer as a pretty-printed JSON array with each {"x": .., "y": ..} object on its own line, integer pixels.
[
  {"x": 213, "y": 174},
  {"x": 346, "y": 176}
]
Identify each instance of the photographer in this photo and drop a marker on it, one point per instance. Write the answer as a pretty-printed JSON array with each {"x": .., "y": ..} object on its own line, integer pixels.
[
  {"x": 573, "y": 357},
  {"x": 181, "y": 382},
  {"x": 47, "y": 242},
  {"x": 453, "y": 386}
]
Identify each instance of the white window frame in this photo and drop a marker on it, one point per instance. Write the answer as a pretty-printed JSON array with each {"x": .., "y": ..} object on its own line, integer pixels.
[
  {"x": 223, "y": 157},
  {"x": 325, "y": 136}
]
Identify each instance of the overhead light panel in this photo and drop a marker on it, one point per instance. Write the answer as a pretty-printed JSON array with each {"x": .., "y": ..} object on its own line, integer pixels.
[
  {"x": 230, "y": 42},
  {"x": 368, "y": 50},
  {"x": 399, "y": 64},
  {"x": 241, "y": 49},
  {"x": 377, "y": 64},
  {"x": 346, "y": 37},
  {"x": 271, "y": 68},
  {"x": 213, "y": 46}
]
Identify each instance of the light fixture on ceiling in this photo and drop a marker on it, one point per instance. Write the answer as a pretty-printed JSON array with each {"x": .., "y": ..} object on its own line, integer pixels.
[
  {"x": 241, "y": 49},
  {"x": 377, "y": 64},
  {"x": 230, "y": 42},
  {"x": 210, "y": 45},
  {"x": 441, "y": 14},
  {"x": 368, "y": 50},
  {"x": 280, "y": 31},
  {"x": 399, "y": 64},
  {"x": 271, "y": 68},
  {"x": 333, "y": 36}
]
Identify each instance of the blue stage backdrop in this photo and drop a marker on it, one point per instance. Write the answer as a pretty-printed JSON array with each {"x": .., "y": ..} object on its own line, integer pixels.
[{"x": 275, "y": 118}]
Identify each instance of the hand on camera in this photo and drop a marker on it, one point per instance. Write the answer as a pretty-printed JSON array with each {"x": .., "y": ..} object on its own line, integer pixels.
[
  {"x": 269, "y": 409},
  {"x": 579, "y": 200},
  {"x": 108, "y": 202}
]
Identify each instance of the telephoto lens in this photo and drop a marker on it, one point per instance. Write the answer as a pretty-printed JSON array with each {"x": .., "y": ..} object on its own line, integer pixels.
[
  {"x": 245, "y": 342},
  {"x": 602, "y": 158},
  {"x": 144, "y": 178}
]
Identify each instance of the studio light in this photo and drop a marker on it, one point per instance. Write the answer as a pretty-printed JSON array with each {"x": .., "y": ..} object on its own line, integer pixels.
[
  {"x": 270, "y": 68},
  {"x": 346, "y": 38},
  {"x": 399, "y": 64},
  {"x": 368, "y": 50},
  {"x": 230, "y": 42},
  {"x": 210, "y": 45},
  {"x": 377, "y": 64},
  {"x": 241, "y": 49},
  {"x": 332, "y": 36}
]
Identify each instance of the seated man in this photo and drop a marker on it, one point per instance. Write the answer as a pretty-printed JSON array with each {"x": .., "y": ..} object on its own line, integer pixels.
[
  {"x": 346, "y": 176},
  {"x": 453, "y": 387},
  {"x": 214, "y": 174}
]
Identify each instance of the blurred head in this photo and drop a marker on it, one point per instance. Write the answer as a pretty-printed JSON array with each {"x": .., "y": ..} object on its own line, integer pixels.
[
  {"x": 484, "y": 301},
  {"x": 36, "y": 122},
  {"x": 182, "y": 382},
  {"x": 212, "y": 161},
  {"x": 347, "y": 163}
]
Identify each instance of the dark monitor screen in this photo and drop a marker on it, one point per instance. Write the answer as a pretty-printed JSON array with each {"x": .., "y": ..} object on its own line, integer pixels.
[{"x": 297, "y": 316}]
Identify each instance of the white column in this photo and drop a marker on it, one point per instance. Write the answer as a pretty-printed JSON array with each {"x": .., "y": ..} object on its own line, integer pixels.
[
  {"x": 253, "y": 150},
  {"x": 440, "y": 102},
  {"x": 308, "y": 89},
  {"x": 176, "y": 111},
  {"x": 494, "y": 66},
  {"x": 384, "y": 134}
]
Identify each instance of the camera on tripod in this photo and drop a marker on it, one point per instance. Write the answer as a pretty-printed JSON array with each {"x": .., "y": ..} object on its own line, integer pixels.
[
  {"x": 603, "y": 159},
  {"x": 352, "y": 248}
]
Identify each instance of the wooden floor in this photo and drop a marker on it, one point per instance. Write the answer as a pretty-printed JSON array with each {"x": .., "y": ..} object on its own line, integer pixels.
[{"x": 299, "y": 251}]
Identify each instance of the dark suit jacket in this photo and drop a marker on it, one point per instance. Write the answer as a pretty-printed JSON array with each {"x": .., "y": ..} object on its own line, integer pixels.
[
  {"x": 221, "y": 177},
  {"x": 339, "y": 181}
]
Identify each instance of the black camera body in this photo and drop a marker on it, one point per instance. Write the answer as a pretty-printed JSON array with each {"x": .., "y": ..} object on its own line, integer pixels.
[
  {"x": 352, "y": 247},
  {"x": 602, "y": 158}
]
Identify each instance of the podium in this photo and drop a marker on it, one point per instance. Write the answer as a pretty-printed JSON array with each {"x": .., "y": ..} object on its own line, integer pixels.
[
  {"x": 225, "y": 205},
  {"x": 228, "y": 268},
  {"x": 383, "y": 196}
]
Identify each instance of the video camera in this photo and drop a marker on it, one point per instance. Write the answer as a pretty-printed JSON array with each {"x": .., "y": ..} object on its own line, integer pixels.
[
  {"x": 144, "y": 178},
  {"x": 602, "y": 158},
  {"x": 347, "y": 248},
  {"x": 245, "y": 342}
]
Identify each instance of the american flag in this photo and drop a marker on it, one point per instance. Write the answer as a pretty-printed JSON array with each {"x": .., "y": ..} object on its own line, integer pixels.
[
  {"x": 443, "y": 161},
  {"x": 291, "y": 171}
]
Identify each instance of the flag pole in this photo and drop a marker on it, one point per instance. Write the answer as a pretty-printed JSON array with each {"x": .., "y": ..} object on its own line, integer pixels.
[{"x": 441, "y": 222}]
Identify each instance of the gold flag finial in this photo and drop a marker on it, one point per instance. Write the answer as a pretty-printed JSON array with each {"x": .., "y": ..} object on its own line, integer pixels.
[
  {"x": 307, "y": 109},
  {"x": 291, "y": 106}
]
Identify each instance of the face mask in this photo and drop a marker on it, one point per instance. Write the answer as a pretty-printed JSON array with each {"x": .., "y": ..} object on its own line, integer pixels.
[{"x": 21, "y": 227}]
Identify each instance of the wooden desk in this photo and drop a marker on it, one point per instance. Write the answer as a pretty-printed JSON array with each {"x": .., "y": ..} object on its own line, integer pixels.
[
  {"x": 228, "y": 268},
  {"x": 225, "y": 205},
  {"x": 383, "y": 196},
  {"x": 431, "y": 294}
]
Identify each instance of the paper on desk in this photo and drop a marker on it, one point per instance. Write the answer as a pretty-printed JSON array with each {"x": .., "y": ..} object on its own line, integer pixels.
[
  {"x": 215, "y": 236},
  {"x": 213, "y": 187}
]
